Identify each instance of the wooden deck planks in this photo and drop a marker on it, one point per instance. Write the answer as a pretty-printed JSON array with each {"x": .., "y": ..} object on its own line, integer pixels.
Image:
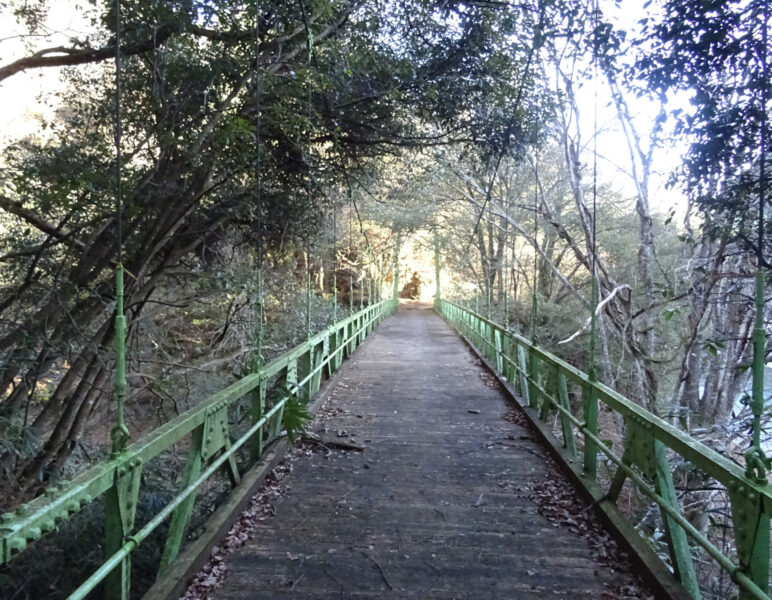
[{"x": 434, "y": 508}]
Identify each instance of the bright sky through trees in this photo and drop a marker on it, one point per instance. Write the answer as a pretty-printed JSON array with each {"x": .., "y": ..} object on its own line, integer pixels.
[{"x": 29, "y": 98}]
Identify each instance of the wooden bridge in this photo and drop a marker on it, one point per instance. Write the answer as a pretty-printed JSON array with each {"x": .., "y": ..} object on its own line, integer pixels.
[
  {"x": 441, "y": 468},
  {"x": 441, "y": 503}
]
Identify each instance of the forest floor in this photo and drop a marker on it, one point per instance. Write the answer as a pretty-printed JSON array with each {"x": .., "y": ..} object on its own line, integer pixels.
[{"x": 452, "y": 496}]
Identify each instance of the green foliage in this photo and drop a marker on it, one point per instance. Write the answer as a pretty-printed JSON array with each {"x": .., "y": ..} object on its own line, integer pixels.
[
  {"x": 713, "y": 50},
  {"x": 295, "y": 414},
  {"x": 227, "y": 143}
]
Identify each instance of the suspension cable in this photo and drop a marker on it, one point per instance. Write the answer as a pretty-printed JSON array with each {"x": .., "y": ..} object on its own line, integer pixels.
[
  {"x": 756, "y": 461},
  {"x": 351, "y": 249},
  {"x": 310, "y": 47},
  {"x": 359, "y": 218},
  {"x": 534, "y": 299},
  {"x": 307, "y": 235},
  {"x": 120, "y": 433},
  {"x": 535, "y": 42},
  {"x": 504, "y": 282},
  {"x": 362, "y": 228},
  {"x": 334, "y": 264},
  {"x": 592, "y": 371},
  {"x": 514, "y": 262},
  {"x": 259, "y": 309},
  {"x": 118, "y": 135},
  {"x": 488, "y": 266}
]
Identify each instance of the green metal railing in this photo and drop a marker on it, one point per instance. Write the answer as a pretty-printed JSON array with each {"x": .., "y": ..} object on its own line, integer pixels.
[
  {"x": 543, "y": 381},
  {"x": 117, "y": 479}
]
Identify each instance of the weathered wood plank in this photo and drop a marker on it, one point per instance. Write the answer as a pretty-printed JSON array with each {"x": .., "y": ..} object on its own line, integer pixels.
[{"x": 438, "y": 504}]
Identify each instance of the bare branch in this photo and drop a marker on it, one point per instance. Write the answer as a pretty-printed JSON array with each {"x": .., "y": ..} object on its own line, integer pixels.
[
  {"x": 38, "y": 222},
  {"x": 598, "y": 311}
]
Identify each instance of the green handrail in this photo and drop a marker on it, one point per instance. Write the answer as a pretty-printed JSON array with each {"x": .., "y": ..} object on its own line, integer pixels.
[
  {"x": 117, "y": 478},
  {"x": 542, "y": 381}
]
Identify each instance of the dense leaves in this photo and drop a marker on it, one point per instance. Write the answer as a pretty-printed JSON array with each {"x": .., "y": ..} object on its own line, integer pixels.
[
  {"x": 237, "y": 127},
  {"x": 715, "y": 51}
]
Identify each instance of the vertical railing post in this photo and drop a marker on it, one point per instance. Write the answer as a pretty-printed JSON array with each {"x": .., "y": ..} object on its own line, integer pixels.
[
  {"x": 351, "y": 342},
  {"x": 305, "y": 366},
  {"x": 181, "y": 516},
  {"x": 498, "y": 348},
  {"x": 523, "y": 377},
  {"x": 350, "y": 293},
  {"x": 590, "y": 402},
  {"x": 288, "y": 380},
  {"x": 678, "y": 544},
  {"x": 533, "y": 378},
  {"x": 333, "y": 346},
  {"x": 566, "y": 425},
  {"x": 491, "y": 342},
  {"x": 550, "y": 386},
  {"x": 318, "y": 358},
  {"x": 257, "y": 410},
  {"x": 120, "y": 509}
]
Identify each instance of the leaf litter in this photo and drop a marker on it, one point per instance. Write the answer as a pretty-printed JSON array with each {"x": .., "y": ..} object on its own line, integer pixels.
[
  {"x": 557, "y": 501},
  {"x": 260, "y": 508}
]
